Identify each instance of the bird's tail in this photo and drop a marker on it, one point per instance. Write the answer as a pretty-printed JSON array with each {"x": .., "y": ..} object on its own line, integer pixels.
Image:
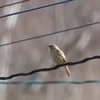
[{"x": 67, "y": 70}]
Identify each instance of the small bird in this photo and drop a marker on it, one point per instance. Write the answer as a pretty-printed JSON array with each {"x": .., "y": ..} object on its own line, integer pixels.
[{"x": 58, "y": 57}]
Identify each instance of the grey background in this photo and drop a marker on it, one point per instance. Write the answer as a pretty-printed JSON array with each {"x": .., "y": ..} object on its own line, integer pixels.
[{"x": 26, "y": 56}]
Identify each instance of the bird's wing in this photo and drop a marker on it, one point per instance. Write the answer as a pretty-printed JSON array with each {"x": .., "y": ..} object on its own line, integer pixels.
[{"x": 61, "y": 54}]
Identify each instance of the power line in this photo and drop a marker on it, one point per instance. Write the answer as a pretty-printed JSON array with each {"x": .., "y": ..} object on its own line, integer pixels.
[
  {"x": 36, "y": 8},
  {"x": 77, "y": 82},
  {"x": 14, "y": 3},
  {"x": 57, "y": 32},
  {"x": 49, "y": 69}
]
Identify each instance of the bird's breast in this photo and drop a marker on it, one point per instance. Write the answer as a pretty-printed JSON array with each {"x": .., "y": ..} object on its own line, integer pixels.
[{"x": 55, "y": 57}]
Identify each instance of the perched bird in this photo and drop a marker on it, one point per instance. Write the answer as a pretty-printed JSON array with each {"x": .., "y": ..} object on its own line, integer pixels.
[{"x": 58, "y": 57}]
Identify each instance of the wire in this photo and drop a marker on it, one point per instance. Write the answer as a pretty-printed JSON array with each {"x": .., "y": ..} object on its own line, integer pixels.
[
  {"x": 50, "y": 82},
  {"x": 49, "y": 69},
  {"x": 57, "y": 32},
  {"x": 14, "y": 3},
  {"x": 36, "y": 8},
  {"x": 46, "y": 69}
]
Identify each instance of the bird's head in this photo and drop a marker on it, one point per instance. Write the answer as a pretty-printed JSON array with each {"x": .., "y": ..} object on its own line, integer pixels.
[{"x": 53, "y": 47}]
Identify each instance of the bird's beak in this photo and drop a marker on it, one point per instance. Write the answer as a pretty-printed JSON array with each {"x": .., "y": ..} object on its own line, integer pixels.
[{"x": 49, "y": 46}]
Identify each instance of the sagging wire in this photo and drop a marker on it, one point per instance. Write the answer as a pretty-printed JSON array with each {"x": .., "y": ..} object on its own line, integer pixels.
[{"x": 50, "y": 69}]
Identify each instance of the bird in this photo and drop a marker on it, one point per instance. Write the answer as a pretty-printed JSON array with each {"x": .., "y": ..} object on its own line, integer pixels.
[{"x": 58, "y": 57}]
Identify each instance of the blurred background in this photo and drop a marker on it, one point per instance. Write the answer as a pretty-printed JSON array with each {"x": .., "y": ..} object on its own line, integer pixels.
[{"x": 26, "y": 56}]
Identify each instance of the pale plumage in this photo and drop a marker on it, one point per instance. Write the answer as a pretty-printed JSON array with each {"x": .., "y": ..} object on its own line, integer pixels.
[{"x": 58, "y": 57}]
